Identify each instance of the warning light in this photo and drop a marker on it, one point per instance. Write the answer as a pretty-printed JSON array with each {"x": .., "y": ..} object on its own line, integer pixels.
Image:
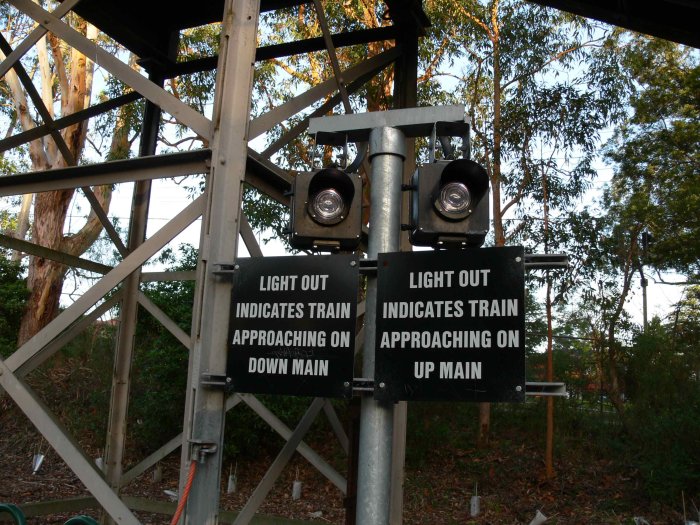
[
  {"x": 449, "y": 205},
  {"x": 326, "y": 211}
]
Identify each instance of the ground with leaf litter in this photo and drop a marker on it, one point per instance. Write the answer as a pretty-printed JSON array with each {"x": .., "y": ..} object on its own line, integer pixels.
[{"x": 440, "y": 482}]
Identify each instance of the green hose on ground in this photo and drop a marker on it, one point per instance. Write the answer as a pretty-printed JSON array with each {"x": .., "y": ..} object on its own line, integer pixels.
[
  {"x": 81, "y": 520},
  {"x": 14, "y": 511}
]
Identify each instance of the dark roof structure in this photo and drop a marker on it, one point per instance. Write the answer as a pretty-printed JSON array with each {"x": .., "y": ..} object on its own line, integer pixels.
[
  {"x": 675, "y": 20},
  {"x": 131, "y": 23}
]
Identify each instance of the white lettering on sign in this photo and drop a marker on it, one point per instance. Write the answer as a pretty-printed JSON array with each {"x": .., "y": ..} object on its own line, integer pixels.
[
  {"x": 280, "y": 338},
  {"x": 340, "y": 339},
  {"x": 448, "y": 369},
  {"x": 423, "y": 369},
  {"x": 431, "y": 279},
  {"x": 508, "y": 339},
  {"x": 278, "y": 283},
  {"x": 313, "y": 282},
  {"x": 493, "y": 307},
  {"x": 460, "y": 370},
  {"x": 267, "y": 365},
  {"x": 310, "y": 367},
  {"x": 270, "y": 310},
  {"x": 288, "y": 283},
  {"x": 455, "y": 339},
  {"x": 474, "y": 278},
  {"x": 329, "y": 310},
  {"x": 444, "y": 278},
  {"x": 422, "y": 309}
]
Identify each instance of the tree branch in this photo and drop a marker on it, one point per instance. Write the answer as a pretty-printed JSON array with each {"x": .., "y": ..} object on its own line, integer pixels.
[
  {"x": 474, "y": 19},
  {"x": 436, "y": 59},
  {"x": 554, "y": 58},
  {"x": 59, "y": 65},
  {"x": 661, "y": 280},
  {"x": 294, "y": 73},
  {"x": 37, "y": 153}
]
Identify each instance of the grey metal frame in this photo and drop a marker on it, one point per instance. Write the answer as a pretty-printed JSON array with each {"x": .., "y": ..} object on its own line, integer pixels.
[{"x": 203, "y": 424}]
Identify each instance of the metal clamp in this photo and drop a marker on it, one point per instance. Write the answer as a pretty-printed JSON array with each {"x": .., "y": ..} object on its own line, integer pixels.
[
  {"x": 362, "y": 385},
  {"x": 546, "y": 261},
  {"x": 336, "y": 140},
  {"x": 545, "y": 389},
  {"x": 214, "y": 381},
  {"x": 225, "y": 269},
  {"x": 200, "y": 449},
  {"x": 368, "y": 266}
]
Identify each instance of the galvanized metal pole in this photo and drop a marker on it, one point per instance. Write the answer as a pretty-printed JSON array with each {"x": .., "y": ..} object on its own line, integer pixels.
[
  {"x": 387, "y": 153},
  {"x": 205, "y": 407},
  {"x": 405, "y": 96}
]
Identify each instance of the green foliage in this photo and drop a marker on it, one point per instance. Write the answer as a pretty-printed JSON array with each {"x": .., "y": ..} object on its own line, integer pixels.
[
  {"x": 529, "y": 76},
  {"x": 664, "y": 399},
  {"x": 432, "y": 423},
  {"x": 13, "y": 296},
  {"x": 80, "y": 381},
  {"x": 246, "y": 434},
  {"x": 159, "y": 370},
  {"x": 197, "y": 89},
  {"x": 657, "y": 153},
  {"x": 266, "y": 215}
]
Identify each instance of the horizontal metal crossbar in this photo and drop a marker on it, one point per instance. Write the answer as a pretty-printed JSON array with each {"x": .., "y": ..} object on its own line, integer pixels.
[
  {"x": 545, "y": 389},
  {"x": 546, "y": 261},
  {"x": 69, "y": 120},
  {"x": 413, "y": 122},
  {"x": 114, "y": 172}
]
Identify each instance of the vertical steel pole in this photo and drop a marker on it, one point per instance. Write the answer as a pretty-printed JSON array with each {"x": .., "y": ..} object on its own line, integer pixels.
[
  {"x": 405, "y": 96},
  {"x": 387, "y": 153},
  {"x": 205, "y": 407}
]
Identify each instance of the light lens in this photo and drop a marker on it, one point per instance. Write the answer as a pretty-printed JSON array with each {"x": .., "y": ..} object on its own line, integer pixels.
[
  {"x": 327, "y": 206},
  {"x": 454, "y": 199}
]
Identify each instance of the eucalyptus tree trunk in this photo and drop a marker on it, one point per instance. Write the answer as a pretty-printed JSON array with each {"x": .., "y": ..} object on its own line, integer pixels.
[{"x": 66, "y": 75}]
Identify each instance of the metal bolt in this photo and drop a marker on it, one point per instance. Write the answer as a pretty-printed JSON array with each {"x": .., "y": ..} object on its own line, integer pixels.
[
  {"x": 518, "y": 259},
  {"x": 353, "y": 263},
  {"x": 346, "y": 384},
  {"x": 382, "y": 385},
  {"x": 518, "y": 388},
  {"x": 236, "y": 267},
  {"x": 228, "y": 379}
]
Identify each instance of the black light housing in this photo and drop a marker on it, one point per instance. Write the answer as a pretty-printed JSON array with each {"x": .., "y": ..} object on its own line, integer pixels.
[
  {"x": 326, "y": 212},
  {"x": 449, "y": 205}
]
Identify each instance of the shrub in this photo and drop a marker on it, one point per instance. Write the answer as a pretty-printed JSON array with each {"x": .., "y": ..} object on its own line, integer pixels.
[{"x": 13, "y": 297}]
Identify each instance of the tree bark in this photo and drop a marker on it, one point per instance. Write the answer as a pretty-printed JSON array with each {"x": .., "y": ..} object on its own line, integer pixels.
[
  {"x": 73, "y": 76},
  {"x": 23, "y": 223}
]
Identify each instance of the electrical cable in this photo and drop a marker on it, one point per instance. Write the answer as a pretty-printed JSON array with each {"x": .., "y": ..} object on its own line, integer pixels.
[{"x": 185, "y": 493}]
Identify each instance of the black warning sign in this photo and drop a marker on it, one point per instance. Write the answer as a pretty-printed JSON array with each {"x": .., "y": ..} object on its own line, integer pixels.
[
  {"x": 292, "y": 325},
  {"x": 451, "y": 325}
]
